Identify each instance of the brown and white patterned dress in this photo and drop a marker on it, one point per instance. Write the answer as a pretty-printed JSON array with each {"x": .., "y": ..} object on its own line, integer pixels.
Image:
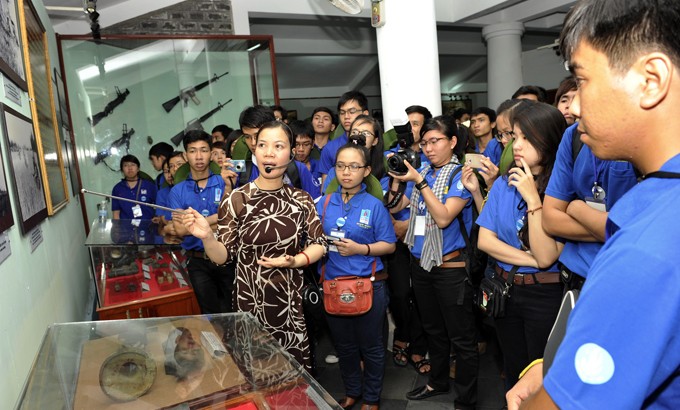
[{"x": 253, "y": 223}]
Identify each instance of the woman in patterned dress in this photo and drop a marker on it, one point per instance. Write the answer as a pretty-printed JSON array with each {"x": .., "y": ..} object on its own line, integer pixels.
[{"x": 273, "y": 231}]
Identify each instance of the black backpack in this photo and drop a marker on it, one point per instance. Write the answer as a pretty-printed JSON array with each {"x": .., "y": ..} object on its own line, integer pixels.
[{"x": 476, "y": 259}]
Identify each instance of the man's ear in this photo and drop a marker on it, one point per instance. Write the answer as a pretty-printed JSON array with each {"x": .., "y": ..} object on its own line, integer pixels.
[
  {"x": 656, "y": 69},
  {"x": 332, "y": 127}
]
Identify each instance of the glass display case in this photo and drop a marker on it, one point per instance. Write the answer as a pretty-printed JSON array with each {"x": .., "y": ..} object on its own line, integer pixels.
[
  {"x": 225, "y": 361},
  {"x": 137, "y": 274},
  {"x": 126, "y": 93}
]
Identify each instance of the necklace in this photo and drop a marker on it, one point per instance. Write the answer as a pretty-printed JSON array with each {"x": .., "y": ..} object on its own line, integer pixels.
[{"x": 347, "y": 196}]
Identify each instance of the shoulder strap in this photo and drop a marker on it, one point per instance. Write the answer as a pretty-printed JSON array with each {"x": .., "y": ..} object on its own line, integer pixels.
[
  {"x": 661, "y": 174},
  {"x": 576, "y": 145},
  {"x": 294, "y": 174},
  {"x": 323, "y": 216}
]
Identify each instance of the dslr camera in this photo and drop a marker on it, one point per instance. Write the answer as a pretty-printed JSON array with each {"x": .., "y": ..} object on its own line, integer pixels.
[{"x": 395, "y": 163}]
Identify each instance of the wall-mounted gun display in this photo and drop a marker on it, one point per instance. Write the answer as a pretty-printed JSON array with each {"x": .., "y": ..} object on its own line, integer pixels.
[
  {"x": 116, "y": 146},
  {"x": 120, "y": 98},
  {"x": 190, "y": 93},
  {"x": 196, "y": 124}
]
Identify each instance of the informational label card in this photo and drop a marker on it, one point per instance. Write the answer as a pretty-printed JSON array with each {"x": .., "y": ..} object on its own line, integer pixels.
[
  {"x": 12, "y": 92},
  {"x": 36, "y": 238},
  {"x": 5, "y": 249}
]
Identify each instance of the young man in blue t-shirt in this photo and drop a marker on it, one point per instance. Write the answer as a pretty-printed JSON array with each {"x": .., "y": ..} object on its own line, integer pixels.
[
  {"x": 202, "y": 190},
  {"x": 134, "y": 187},
  {"x": 621, "y": 348}
]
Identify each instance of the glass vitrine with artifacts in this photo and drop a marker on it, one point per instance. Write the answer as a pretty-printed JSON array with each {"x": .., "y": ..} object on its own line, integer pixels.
[
  {"x": 136, "y": 273},
  {"x": 225, "y": 361}
]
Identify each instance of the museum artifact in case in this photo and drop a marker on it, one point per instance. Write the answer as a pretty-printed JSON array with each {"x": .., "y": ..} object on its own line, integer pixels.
[
  {"x": 223, "y": 361},
  {"x": 137, "y": 274}
]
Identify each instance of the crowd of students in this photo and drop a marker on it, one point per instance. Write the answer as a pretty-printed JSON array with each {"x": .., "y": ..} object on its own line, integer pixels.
[{"x": 310, "y": 195}]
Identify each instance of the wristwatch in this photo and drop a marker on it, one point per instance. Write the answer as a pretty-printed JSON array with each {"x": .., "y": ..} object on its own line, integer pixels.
[{"x": 422, "y": 184}]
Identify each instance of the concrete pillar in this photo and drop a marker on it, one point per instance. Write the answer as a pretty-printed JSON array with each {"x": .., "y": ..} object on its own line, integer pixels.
[
  {"x": 504, "y": 56},
  {"x": 409, "y": 59}
]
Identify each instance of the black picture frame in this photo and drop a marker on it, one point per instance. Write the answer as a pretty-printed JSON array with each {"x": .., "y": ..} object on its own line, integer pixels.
[
  {"x": 24, "y": 168},
  {"x": 11, "y": 53},
  {"x": 6, "y": 217}
]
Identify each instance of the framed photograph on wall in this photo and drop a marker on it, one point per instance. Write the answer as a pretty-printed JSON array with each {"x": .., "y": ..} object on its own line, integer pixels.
[
  {"x": 24, "y": 165},
  {"x": 6, "y": 218},
  {"x": 11, "y": 56},
  {"x": 43, "y": 110}
]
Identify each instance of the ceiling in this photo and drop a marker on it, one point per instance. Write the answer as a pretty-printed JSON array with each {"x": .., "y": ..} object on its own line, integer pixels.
[{"x": 323, "y": 52}]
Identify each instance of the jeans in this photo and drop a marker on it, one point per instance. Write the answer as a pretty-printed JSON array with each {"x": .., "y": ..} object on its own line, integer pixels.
[
  {"x": 408, "y": 327},
  {"x": 523, "y": 332},
  {"x": 213, "y": 285},
  {"x": 361, "y": 337},
  {"x": 444, "y": 297}
]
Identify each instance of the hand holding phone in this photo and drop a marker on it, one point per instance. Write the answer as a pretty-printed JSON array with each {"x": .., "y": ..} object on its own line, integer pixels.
[{"x": 474, "y": 160}]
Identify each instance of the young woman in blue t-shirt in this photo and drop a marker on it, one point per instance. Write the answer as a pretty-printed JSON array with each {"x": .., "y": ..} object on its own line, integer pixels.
[
  {"x": 360, "y": 230},
  {"x": 511, "y": 232}
]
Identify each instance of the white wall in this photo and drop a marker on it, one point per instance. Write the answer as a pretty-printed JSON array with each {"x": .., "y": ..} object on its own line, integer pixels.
[
  {"x": 47, "y": 286},
  {"x": 543, "y": 67}
]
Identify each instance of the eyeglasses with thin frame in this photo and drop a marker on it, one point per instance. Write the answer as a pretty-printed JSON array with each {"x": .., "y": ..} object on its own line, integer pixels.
[
  {"x": 508, "y": 135},
  {"x": 306, "y": 144},
  {"x": 351, "y": 111},
  {"x": 364, "y": 134},
  {"x": 340, "y": 167},
  {"x": 431, "y": 141}
]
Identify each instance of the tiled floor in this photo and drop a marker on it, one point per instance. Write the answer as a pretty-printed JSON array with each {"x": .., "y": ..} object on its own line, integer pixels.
[{"x": 400, "y": 380}]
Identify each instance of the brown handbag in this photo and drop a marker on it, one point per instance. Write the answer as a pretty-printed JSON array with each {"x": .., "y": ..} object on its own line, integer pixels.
[{"x": 346, "y": 295}]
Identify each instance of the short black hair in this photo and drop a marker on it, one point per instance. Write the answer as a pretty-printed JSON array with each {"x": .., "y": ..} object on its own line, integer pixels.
[
  {"x": 566, "y": 85},
  {"x": 223, "y": 128},
  {"x": 486, "y": 111},
  {"x": 194, "y": 136},
  {"x": 162, "y": 149},
  {"x": 419, "y": 109},
  {"x": 255, "y": 116},
  {"x": 357, "y": 96},
  {"x": 539, "y": 92},
  {"x": 623, "y": 29},
  {"x": 300, "y": 127},
  {"x": 129, "y": 158},
  {"x": 459, "y": 112},
  {"x": 283, "y": 111}
]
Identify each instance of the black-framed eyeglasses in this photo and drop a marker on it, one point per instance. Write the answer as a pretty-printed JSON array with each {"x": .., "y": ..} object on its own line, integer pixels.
[
  {"x": 351, "y": 111},
  {"x": 303, "y": 144},
  {"x": 340, "y": 167},
  {"x": 508, "y": 135},
  {"x": 431, "y": 141}
]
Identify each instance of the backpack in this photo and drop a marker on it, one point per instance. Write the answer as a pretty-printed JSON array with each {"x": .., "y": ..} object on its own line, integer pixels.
[{"x": 476, "y": 259}]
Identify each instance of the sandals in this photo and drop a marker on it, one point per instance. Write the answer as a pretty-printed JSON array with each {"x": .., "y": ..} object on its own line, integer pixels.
[
  {"x": 400, "y": 355},
  {"x": 418, "y": 365}
]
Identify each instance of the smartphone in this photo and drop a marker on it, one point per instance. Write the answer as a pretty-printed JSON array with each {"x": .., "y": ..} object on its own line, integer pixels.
[
  {"x": 237, "y": 165},
  {"x": 331, "y": 239},
  {"x": 474, "y": 160}
]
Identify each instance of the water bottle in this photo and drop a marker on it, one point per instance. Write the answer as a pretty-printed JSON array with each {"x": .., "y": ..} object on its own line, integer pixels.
[{"x": 102, "y": 211}]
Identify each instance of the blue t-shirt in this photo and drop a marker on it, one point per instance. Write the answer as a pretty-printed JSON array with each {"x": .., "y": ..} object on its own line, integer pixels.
[
  {"x": 144, "y": 191},
  {"x": 204, "y": 200},
  {"x": 621, "y": 349},
  {"x": 574, "y": 180},
  {"x": 366, "y": 221},
  {"x": 306, "y": 179},
  {"x": 493, "y": 151},
  {"x": 452, "y": 238},
  {"x": 316, "y": 175},
  {"x": 163, "y": 199},
  {"x": 501, "y": 216},
  {"x": 330, "y": 151}
]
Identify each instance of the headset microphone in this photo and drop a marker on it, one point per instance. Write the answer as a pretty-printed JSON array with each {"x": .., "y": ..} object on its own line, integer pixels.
[{"x": 269, "y": 169}]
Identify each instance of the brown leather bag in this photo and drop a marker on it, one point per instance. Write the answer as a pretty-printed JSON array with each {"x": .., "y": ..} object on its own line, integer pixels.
[{"x": 346, "y": 295}]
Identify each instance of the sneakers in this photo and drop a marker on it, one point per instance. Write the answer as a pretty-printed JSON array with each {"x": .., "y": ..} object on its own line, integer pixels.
[{"x": 331, "y": 359}]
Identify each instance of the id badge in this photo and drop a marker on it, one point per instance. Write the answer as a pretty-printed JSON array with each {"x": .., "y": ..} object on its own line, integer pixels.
[
  {"x": 419, "y": 229},
  {"x": 597, "y": 204},
  {"x": 335, "y": 234},
  {"x": 137, "y": 211}
]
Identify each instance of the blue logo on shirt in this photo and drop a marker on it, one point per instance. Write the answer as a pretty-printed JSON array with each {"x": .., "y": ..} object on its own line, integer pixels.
[{"x": 205, "y": 213}]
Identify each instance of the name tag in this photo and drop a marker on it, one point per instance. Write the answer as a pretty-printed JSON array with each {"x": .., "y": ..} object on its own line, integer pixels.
[
  {"x": 596, "y": 204},
  {"x": 335, "y": 234},
  {"x": 137, "y": 211},
  {"x": 419, "y": 229}
]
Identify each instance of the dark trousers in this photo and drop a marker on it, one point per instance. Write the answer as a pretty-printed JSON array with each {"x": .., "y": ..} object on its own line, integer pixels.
[
  {"x": 213, "y": 285},
  {"x": 444, "y": 297},
  {"x": 361, "y": 337},
  {"x": 403, "y": 307},
  {"x": 530, "y": 312}
]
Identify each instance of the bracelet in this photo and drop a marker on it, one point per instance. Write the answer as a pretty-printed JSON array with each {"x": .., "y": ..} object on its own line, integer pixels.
[
  {"x": 532, "y": 364},
  {"x": 531, "y": 211},
  {"x": 307, "y": 257},
  {"x": 368, "y": 253},
  {"x": 422, "y": 184}
]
